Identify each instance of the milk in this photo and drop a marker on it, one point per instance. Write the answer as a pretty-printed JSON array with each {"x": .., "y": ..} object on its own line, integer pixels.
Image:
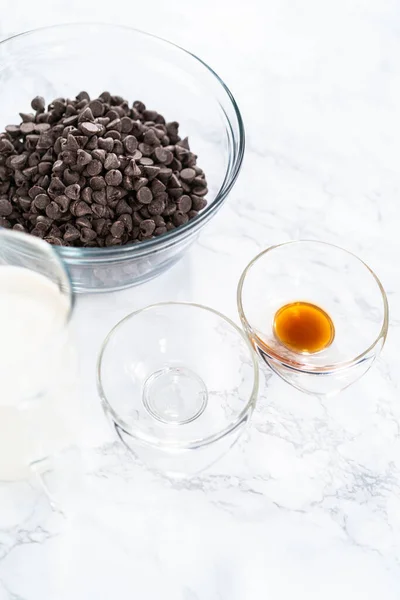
[{"x": 37, "y": 372}]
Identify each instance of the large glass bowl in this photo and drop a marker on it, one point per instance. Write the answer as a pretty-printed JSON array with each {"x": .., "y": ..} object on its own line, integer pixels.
[
  {"x": 60, "y": 61},
  {"x": 179, "y": 383}
]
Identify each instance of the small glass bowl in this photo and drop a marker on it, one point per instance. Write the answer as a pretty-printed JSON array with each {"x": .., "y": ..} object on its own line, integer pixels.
[
  {"x": 179, "y": 382},
  {"x": 58, "y": 62},
  {"x": 332, "y": 279}
]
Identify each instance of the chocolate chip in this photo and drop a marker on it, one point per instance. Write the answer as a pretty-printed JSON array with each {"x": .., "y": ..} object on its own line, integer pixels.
[
  {"x": 144, "y": 195},
  {"x": 98, "y": 225},
  {"x": 5, "y": 207},
  {"x": 6, "y": 146},
  {"x": 117, "y": 229},
  {"x": 200, "y": 191},
  {"x": 156, "y": 207},
  {"x": 184, "y": 204},
  {"x": 127, "y": 183},
  {"x": 72, "y": 144},
  {"x": 27, "y": 128},
  {"x": 45, "y": 140},
  {"x": 105, "y": 97},
  {"x": 150, "y": 138},
  {"x": 151, "y": 171},
  {"x": 163, "y": 156},
  {"x": 94, "y": 167},
  {"x": 73, "y": 191},
  {"x": 139, "y": 183},
  {"x": 97, "y": 108},
  {"x": 114, "y": 125},
  {"x": 63, "y": 202},
  {"x": 111, "y": 162},
  {"x": 71, "y": 233},
  {"x": 30, "y": 172},
  {"x": 38, "y": 104},
  {"x": 89, "y": 128},
  {"x": 184, "y": 143},
  {"x": 99, "y": 197},
  {"x": 70, "y": 177},
  {"x": 198, "y": 203},
  {"x": 126, "y": 125},
  {"x": 41, "y": 201},
  {"x": 18, "y": 162},
  {"x": 86, "y": 116},
  {"x": 99, "y": 210},
  {"x": 122, "y": 207},
  {"x": 180, "y": 218},
  {"x": 188, "y": 175},
  {"x": 37, "y": 189},
  {"x": 83, "y": 96},
  {"x": 164, "y": 174},
  {"x": 126, "y": 219},
  {"x": 87, "y": 235},
  {"x": 97, "y": 183},
  {"x": 113, "y": 177},
  {"x": 169, "y": 209},
  {"x": 25, "y": 203},
  {"x": 83, "y": 158},
  {"x": 27, "y": 117},
  {"x": 53, "y": 210},
  {"x": 147, "y": 227},
  {"x": 137, "y": 218},
  {"x": 146, "y": 161},
  {"x": 181, "y": 153},
  {"x": 186, "y": 187},
  {"x": 145, "y": 149},
  {"x": 114, "y": 193},
  {"x": 144, "y": 213},
  {"x": 130, "y": 143},
  {"x": 82, "y": 209},
  {"x": 34, "y": 159},
  {"x": 44, "y": 167},
  {"x": 160, "y": 230},
  {"x": 174, "y": 181},
  {"x": 175, "y": 193},
  {"x": 106, "y": 144},
  {"x": 157, "y": 187}
]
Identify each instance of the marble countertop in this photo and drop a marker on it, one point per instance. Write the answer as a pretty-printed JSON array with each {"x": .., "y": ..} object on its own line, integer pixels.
[{"x": 307, "y": 505}]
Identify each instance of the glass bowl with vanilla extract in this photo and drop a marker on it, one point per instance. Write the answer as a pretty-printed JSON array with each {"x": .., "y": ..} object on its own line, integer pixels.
[{"x": 315, "y": 313}]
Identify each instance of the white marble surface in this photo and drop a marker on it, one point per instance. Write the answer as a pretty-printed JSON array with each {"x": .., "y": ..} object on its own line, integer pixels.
[{"x": 307, "y": 506}]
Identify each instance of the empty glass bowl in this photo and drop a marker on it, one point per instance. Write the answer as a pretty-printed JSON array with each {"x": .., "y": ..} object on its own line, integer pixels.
[
  {"x": 58, "y": 62},
  {"x": 179, "y": 383},
  {"x": 334, "y": 280}
]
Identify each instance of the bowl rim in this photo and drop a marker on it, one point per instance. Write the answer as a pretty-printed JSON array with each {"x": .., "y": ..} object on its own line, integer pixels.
[
  {"x": 232, "y": 172},
  {"x": 151, "y": 440},
  {"x": 293, "y": 365}
]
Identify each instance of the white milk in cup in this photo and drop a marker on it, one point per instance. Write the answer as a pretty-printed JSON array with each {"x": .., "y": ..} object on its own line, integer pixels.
[{"x": 39, "y": 416}]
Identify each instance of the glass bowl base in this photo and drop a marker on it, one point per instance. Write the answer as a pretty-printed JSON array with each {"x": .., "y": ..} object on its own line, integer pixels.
[{"x": 175, "y": 395}]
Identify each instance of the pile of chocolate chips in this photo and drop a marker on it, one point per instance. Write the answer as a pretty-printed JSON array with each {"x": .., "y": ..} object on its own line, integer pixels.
[{"x": 97, "y": 173}]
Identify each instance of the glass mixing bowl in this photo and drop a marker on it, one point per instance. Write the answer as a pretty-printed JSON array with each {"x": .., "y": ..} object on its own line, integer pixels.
[
  {"x": 61, "y": 61},
  {"x": 179, "y": 382},
  {"x": 332, "y": 279}
]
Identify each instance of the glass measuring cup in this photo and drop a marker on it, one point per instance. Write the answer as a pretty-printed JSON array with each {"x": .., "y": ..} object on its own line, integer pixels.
[{"x": 37, "y": 366}]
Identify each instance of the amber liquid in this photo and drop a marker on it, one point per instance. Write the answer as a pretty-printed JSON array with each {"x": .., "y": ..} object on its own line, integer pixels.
[{"x": 303, "y": 327}]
